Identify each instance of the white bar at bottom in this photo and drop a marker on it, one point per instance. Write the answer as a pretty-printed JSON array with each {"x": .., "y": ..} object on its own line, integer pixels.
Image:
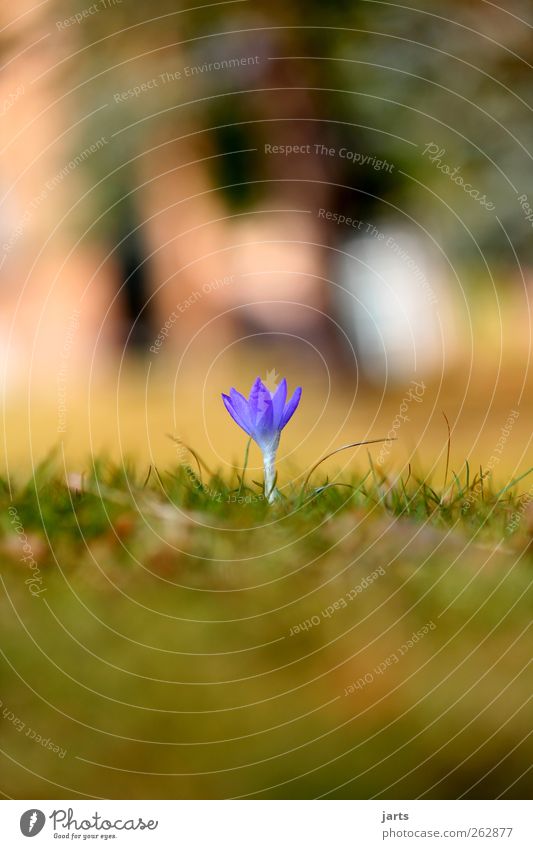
[{"x": 267, "y": 824}]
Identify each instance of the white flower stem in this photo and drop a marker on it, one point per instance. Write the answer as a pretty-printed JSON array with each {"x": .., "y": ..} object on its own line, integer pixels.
[{"x": 271, "y": 493}]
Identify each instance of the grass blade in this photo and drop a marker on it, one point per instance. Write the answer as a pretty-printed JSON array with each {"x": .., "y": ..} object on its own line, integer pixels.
[
  {"x": 245, "y": 466},
  {"x": 513, "y": 482},
  {"x": 337, "y": 451},
  {"x": 199, "y": 461},
  {"x": 448, "y": 450}
]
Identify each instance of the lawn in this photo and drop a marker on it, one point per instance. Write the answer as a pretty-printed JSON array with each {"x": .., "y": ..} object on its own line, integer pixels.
[{"x": 171, "y": 635}]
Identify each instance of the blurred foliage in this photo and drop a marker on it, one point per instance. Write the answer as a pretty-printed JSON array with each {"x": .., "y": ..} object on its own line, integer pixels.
[{"x": 376, "y": 78}]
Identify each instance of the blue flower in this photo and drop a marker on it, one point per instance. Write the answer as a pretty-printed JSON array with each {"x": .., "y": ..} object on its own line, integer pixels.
[{"x": 263, "y": 416}]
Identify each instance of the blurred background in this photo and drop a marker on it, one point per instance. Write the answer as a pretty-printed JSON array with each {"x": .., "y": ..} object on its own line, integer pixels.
[
  {"x": 192, "y": 197},
  {"x": 196, "y": 194}
]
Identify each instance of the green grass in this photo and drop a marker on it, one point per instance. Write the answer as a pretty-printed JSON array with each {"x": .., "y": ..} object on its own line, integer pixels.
[{"x": 165, "y": 652}]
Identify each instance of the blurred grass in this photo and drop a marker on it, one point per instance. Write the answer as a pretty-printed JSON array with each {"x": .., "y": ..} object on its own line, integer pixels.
[{"x": 160, "y": 654}]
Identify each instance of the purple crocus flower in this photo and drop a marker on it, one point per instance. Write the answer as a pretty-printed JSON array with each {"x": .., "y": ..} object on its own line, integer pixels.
[{"x": 263, "y": 416}]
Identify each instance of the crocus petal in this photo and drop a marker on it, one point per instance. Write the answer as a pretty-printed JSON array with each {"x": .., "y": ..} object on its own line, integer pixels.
[
  {"x": 235, "y": 415},
  {"x": 253, "y": 401},
  {"x": 264, "y": 431},
  {"x": 240, "y": 405},
  {"x": 278, "y": 403},
  {"x": 264, "y": 414},
  {"x": 291, "y": 407}
]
